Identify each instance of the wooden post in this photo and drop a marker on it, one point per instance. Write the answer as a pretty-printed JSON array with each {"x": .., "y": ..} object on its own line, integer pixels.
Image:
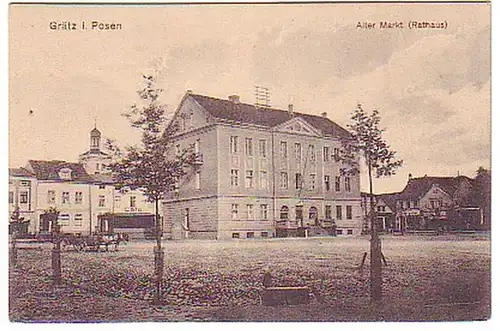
[
  {"x": 56, "y": 254},
  {"x": 362, "y": 261},
  {"x": 13, "y": 256},
  {"x": 159, "y": 259}
]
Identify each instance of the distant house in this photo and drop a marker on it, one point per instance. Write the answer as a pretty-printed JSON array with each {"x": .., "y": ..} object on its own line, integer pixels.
[
  {"x": 431, "y": 202},
  {"x": 22, "y": 196},
  {"x": 384, "y": 209}
]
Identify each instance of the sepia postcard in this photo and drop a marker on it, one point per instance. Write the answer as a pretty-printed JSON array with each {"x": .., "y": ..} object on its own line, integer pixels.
[{"x": 249, "y": 162}]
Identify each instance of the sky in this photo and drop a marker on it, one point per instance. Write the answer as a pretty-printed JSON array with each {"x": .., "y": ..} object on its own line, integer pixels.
[{"x": 431, "y": 86}]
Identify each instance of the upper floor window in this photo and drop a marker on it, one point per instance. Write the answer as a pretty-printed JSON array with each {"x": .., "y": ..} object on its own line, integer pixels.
[
  {"x": 337, "y": 183},
  {"x": 263, "y": 212},
  {"x": 348, "y": 212},
  {"x": 339, "y": 212},
  {"x": 63, "y": 219},
  {"x": 234, "y": 177},
  {"x": 11, "y": 197},
  {"x": 312, "y": 181},
  {"x": 336, "y": 154},
  {"x": 197, "y": 146},
  {"x": 233, "y": 143},
  {"x": 65, "y": 197},
  {"x": 381, "y": 209},
  {"x": 262, "y": 148},
  {"x": 78, "y": 197},
  {"x": 348, "y": 184},
  {"x": 102, "y": 201},
  {"x": 263, "y": 179},
  {"x": 234, "y": 211},
  {"x": 298, "y": 181},
  {"x": 249, "y": 146},
  {"x": 197, "y": 181},
  {"x": 328, "y": 212},
  {"x": 312, "y": 154},
  {"x": 249, "y": 179},
  {"x": 284, "y": 180},
  {"x": 298, "y": 152},
  {"x": 65, "y": 173},
  {"x": 250, "y": 215},
  {"x": 23, "y": 197},
  {"x": 97, "y": 166},
  {"x": 51, "y": 197},
  {"x": 283, "y": 150},
  {"x": 133, "y": 202},
  {"x": 326, "y": 153},
  {"x": 327, "y": 183}
]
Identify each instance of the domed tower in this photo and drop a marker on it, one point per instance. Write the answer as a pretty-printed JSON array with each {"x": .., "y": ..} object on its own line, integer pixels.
[{"x": 94, "y": 160}]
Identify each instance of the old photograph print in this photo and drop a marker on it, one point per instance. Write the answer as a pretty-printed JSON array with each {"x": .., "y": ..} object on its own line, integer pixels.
[{"x": 300, "y": 162}]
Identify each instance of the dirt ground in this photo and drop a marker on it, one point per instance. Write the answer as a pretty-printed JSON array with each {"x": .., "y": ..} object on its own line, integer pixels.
[{"x": 442, "y": 278}]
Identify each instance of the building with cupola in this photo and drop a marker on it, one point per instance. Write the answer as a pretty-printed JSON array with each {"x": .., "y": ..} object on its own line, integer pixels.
[{"x": 94, "y": 160}]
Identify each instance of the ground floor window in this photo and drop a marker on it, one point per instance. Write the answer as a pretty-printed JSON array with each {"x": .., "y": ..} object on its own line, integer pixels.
[
  {"x": 236, "y": 235},
  {"x": 250, "y": 234},
  {"x": 284, "y": 213},
  {"x": 234, "y": 211},
  {"x": 339, "y": 232},
  {"x": 264, "y": 234},
  {"x": 349, "y": 231},
  {"x": 78, "y": 219}
]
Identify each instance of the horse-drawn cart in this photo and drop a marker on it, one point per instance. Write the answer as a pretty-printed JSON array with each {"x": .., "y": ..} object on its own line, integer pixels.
[{"x": 94, "y": 242}]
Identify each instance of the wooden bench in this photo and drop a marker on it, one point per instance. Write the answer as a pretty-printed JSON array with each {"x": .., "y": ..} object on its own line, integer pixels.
[{"x": 285, "y": 295}]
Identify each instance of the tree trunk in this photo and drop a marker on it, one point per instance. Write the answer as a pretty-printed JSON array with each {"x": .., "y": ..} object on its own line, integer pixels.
[
  {"x": 56, "y": 256},
  {"x": 375, "y": 248},
  {"x": 159, "y": 258}
]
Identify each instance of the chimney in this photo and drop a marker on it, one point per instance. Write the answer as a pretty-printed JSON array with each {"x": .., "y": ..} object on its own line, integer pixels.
[
  {"x": 234, "y": 98},
  {"x": 189, "y": 91},
  {"x": 290, "y": 109},
  {"x": 323, "y": 114},
  {"x": 409, "y": 176}
]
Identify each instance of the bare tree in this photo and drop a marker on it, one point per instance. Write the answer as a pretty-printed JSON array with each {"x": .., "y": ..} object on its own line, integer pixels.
[
  {"x": 365, "y": 141},
  {"x": 151, "y": 167}
]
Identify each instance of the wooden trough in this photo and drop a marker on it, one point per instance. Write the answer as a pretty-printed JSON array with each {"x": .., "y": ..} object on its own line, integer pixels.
[{"x": 283, "y": 295}]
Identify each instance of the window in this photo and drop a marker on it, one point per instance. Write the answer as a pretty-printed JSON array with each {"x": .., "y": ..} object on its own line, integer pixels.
[
  {"x": 327, "y": 183},
  {"x": 339, "y": 232},
  {"x": 197, "y": 180},
  {"x": 298, "y": 152},
  {"x": 328, "y": 212},
  {"x": 381, "y": 208},
  {"x": 263, "y": 179},
  {"x": 336, "y": 154},
  {"x": 236, "y": 235},
  {"x": 132, "y": 201},
  {"x": 348, "y": 184},
  {"x": 348, "y": 212},
  {"x": 63, "y": 219},
  {"x": 102, "y": 201},
  {"x": 51, "y": 197},
  {"x": 65, "y": 197},
  {"x": 337, "y": 183},
  {"x": 312, "y": 154},
  {"x": 234, "y": 211},
  {"x": 186, "y": 218},
  {"x": 339, "y": 212},
  {"x": 326, "y": 154},
  {"x": 65, "y": 173},
  {"x": 250, "y": 216},
  {"x": 23, "y": 197},
  {"x": 298, "y": 181},
  {"x": 11, "y": 197},
  {"x": 78, "y": 219},
  {"x": 312, "y": 181},
  {"x": 97, "y": 166},
  {"x": 233, "y": 144},
  {"x": 349, "y": 231},
  {"x": 283, "y": 150},
  {"x": 177, "y": 150},
  {"x": 284, "y": 180},
  {"x": 263, "y": 212},
  {"x": 234, "y": 177},
  {"x": 262, "y": 148},
  {"x": 415, "y": 204},
  {"x": 250, "y": 235},
  {"x": 78, "y": 197},
  {"x": 24, "y": 183},
  {"x": 264, "y": 234},
  {"x": 248, "y": 146},
  {"x": 313, "y": 213},
  {"x": 284, "y": 213},
  {"x": 249, "y": 179},
  {"x": 102, "y": 187}
]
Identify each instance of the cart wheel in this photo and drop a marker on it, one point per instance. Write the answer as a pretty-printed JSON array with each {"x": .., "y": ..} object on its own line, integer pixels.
[{"x": 79, "y": 247}]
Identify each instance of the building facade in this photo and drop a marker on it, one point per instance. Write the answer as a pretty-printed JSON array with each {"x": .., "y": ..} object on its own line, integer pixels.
[
  {"x": 259, "y": 170},
  {"x": 23, "y": 196}
]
